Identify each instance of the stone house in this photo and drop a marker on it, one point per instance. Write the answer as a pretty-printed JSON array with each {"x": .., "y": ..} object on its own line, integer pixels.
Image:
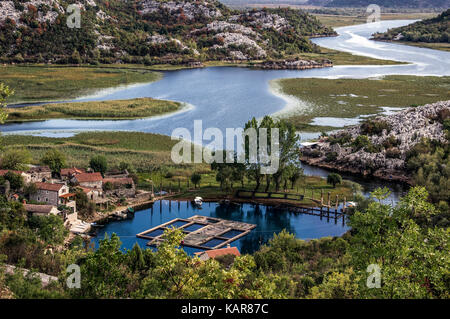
[
  {"x": 92, "y": 193},
  {"x": 54, "y": 194},
  {"x": 26, "y": 176},
  {"x": 40, "y": 173},
  {"x": 123, "y": 186},
  {"x": 91, "y": 180},
  {"x": 41, "y": 210}
]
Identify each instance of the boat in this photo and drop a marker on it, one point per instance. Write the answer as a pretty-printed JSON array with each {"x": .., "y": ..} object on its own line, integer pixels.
[
  {"x": 350, "y": 205},
  {"x": 198, "y": 201}
]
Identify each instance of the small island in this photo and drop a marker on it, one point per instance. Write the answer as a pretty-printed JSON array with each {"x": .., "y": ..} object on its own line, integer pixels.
[{"x": 118, "y": 109}]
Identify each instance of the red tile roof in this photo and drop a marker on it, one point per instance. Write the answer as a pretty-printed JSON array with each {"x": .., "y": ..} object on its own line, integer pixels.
[
  {"x": 49, "y": 186},
  {"x": 213, "y": 253},
  {"x": 72, "y": 171},
  {"x": 38, "y": 208},
  {"x": 89, "y": 177},
  {"x": 67, "y": 195}
]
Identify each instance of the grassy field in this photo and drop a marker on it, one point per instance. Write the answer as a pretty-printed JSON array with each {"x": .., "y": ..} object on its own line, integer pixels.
[
  {"x": 149, "y": 155},
  {"x": 434, "y": 46},
  {"x": 118, "y": 109},
  {"x": 348, "y": 98},
  {"x": 345, "y": 58},
  {"x": 50, "y": 83},
  {"x": 337, "y": 21}
]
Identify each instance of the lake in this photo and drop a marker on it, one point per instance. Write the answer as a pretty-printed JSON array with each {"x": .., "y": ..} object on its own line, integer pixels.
[{"x": 268, "y": 220}]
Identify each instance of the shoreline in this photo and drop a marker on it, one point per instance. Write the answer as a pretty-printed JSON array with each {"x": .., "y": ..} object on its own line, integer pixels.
[
  {"x": 394, "y": 177},
  {"x": 184, "y": 107}
]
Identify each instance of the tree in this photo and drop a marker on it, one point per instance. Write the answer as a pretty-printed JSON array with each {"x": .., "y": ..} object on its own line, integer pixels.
[
  {"x": 15, "y": 159},
  {"x": 75, "y": 58},
  {"x": 296, "y": 174},
  {"x": 334, "y": 179},
  {"x": 99, "y": 164},
  {"x": 5, "y": 92},
  {"x": 15, "y": 180},
  {"x": 413, "y": 261},
  {"x": 196, "y": 178},
  {"x": 54, "y": 159}
]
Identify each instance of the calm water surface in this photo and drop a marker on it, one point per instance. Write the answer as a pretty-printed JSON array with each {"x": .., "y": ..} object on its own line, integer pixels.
[{"x": 268, "y": 221}]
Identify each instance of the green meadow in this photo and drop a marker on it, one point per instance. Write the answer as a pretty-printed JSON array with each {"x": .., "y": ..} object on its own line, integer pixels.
[{"x": 49, "y": 83}]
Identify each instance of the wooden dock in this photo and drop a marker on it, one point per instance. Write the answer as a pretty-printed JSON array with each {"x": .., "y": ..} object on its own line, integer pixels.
[{"x": 202, "y": 232}]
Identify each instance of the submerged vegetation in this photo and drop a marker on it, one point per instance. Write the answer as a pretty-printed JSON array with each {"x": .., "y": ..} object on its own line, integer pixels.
[{"x": 350, "y": 98}]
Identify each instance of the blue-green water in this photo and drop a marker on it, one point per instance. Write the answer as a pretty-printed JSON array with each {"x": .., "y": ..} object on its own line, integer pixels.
[{"x": 267, "y": 219}]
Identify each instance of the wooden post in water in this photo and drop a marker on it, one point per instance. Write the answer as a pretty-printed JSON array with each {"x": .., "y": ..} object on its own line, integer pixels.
[
  {"x": 328, "y": 199},
  {"x": 170, "y": 205},
  {"x": 321, "y": 197},
  {"x": 345, "y": 205},
  {"x": 312, "y": 193},
  {"x": 337, "y": 202}
]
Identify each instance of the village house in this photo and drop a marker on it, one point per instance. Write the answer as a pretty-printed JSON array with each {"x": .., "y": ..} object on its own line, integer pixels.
[
  {"x": 69, "y": 173},
  {"x": 122, "y": 186},
  {"x": 40, "y": 173},
  {"x": 41, "y": 210},
  {"x": 91, "y": 180},
  {"x": 214, "y": 253},
  {"x": 54, "y": 194},
  {"x": 92, "y": 193},
  {"x": 26, "y": 177}
]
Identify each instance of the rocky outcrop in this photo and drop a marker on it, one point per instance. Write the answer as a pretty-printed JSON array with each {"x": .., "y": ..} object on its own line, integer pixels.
[
  {"x": 188, "y": 9},
  {"x": 297, "y": 64},
  {"x": 384, "y": 151}
]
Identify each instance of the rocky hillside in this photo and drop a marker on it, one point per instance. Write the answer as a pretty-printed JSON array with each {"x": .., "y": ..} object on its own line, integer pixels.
[
  {"x": 429, "y": 30},
  {"x": 382, "y": 146},
  {"x": 151, "y": 31},
  {"x": 412, "y": 4}
]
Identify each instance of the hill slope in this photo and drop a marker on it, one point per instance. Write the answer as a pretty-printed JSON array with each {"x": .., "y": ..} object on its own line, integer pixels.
[
  {"x": 151, "y": 31},
  {"x": 430, "y": 30},
  {"x": 413, "y": 4}
]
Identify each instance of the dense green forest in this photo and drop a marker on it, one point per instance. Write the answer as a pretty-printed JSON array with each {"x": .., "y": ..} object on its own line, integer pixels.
[
  {"x": 430, "y": 30},
  {"x": 152, "y": 31}
]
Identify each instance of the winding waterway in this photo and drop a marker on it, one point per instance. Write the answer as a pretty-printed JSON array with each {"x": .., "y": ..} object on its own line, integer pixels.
[{"x": 229, "y": 96}]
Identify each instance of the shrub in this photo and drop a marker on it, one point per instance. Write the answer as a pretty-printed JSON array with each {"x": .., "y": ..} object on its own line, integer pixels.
[{"x": 374, "y": 127}]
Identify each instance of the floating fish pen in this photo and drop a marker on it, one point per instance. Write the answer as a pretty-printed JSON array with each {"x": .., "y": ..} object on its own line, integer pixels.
[{"x": 201, "y": 232}]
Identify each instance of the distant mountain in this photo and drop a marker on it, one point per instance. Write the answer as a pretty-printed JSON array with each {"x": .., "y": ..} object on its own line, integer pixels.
[
  {"x": 151, "y": 31},
  {"x": 431, "y": 30},
  {"x": 413, "y": 4},
  {"x": 410, "y": 4}
]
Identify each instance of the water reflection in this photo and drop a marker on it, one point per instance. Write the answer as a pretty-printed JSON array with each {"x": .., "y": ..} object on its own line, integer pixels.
[{"x": 269, "y": 221}]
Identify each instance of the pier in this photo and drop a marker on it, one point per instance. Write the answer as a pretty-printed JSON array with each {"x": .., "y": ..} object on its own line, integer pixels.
[{"x": 201, "y": 232}]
